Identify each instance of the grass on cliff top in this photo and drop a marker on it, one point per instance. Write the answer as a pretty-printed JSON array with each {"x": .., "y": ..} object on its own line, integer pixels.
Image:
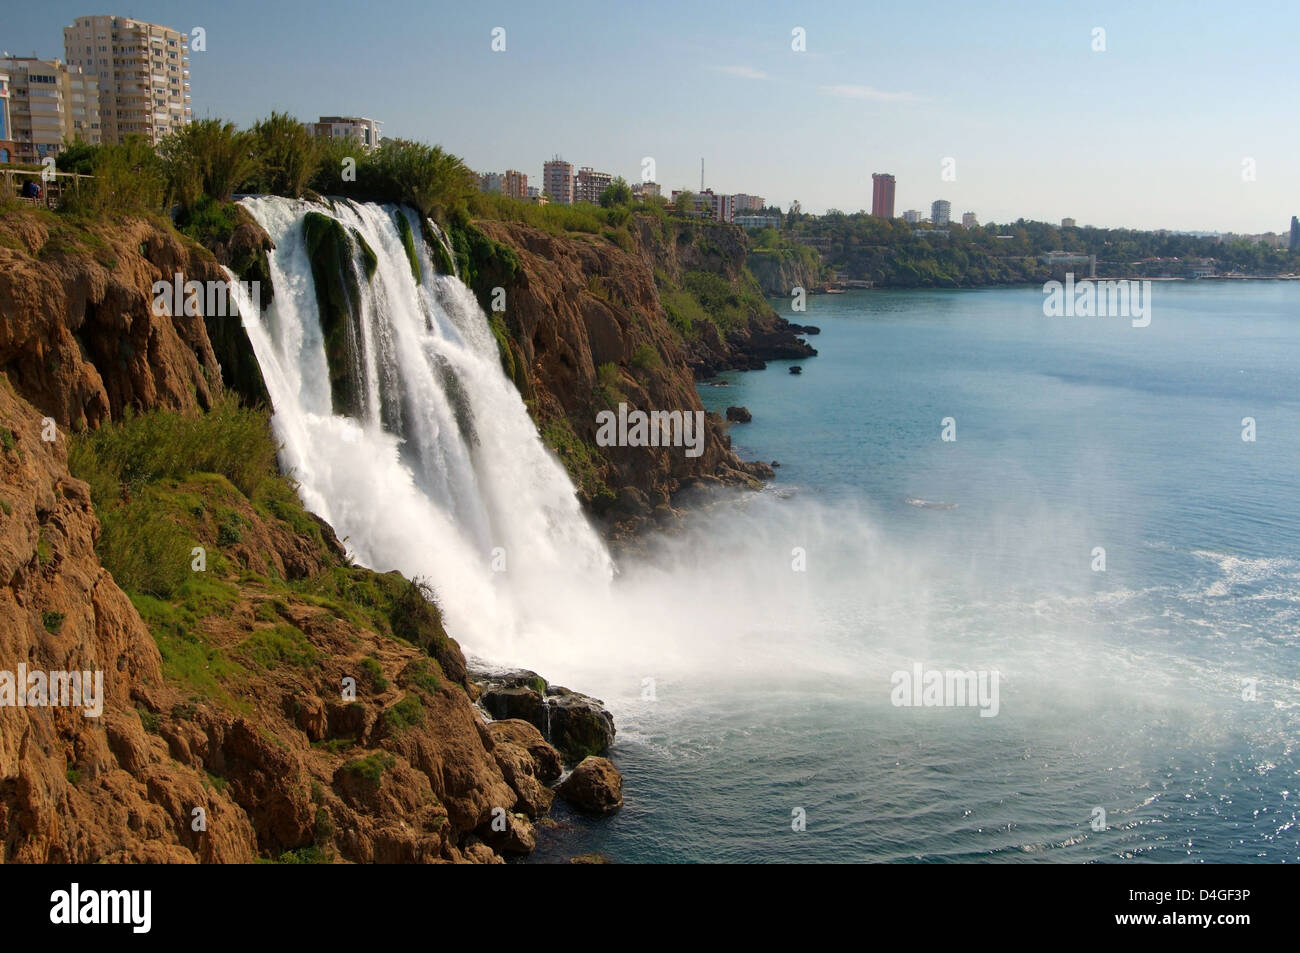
[
  {"x": 164, "y": 484},
  {"x": 229, "y": 440}
]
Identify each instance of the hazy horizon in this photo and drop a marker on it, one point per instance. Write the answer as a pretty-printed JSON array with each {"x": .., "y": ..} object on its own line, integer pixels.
[{"x": 1153, "y": 132}]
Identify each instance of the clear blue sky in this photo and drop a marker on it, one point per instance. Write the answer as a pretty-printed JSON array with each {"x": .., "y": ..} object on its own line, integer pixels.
[{"x": 1150, "y": 133}]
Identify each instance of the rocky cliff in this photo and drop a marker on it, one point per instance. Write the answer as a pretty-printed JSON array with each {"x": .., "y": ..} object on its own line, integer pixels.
[
  {"x": 634, "y": 316},
  {"x": 779, "y": 271},
  {"x": 260, "y": 696},
  {"x": 79, "y": 338}
]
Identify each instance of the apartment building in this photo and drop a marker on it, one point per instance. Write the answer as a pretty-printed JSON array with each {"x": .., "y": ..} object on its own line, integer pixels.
[
  {"x": 557, "y": 180},
  {"x": 968, "y": 220},
  {"x": 646, "y": 190},
  {"x": 708, "y": 204},
  {"x": 142, "y": 71},
  {"x": 361, "y": 130},
  {"x": 940, "y": 212},
  {"x": 745, "y": 204},
  {"x": 50, "y": 104},
  {"x": 514, "y": 184},
  {"x": 588, "y": 185},
  {"x": 511, "y": 182}
]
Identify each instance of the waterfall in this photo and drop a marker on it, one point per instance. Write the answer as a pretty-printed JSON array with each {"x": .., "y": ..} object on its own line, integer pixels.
[{"x": 440, "y": 473}]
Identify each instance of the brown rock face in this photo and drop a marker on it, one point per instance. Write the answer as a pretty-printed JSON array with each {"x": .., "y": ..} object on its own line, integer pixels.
[
  {"x": 546, "y": 760},
  {"x": 595, "y": 786},
  {"x": 578, "y": 303},
  {"x": 79, "y": 338},
  {"x": 78, "y": 789},
  {"x": 780, "y": 272}
]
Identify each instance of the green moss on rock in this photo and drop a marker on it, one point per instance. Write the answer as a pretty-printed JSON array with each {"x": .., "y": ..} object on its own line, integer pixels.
[
  {"x": 484, "y": 263},
  {"x": 368, "y": 255},
  {"x": 338, "y": 296},
  {"x": 408, "y": 243}
]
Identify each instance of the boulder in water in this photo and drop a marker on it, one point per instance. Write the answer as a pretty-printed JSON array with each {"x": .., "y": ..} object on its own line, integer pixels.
[
  {"x": 796, "y": 369},
  {"x": 595, "y": 787},
  {"x": 576, "y": 724},
  {"x": 740, "y": 415}
]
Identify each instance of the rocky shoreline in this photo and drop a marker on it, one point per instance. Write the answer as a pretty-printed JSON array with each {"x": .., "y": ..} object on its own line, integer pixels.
[{"x": 550, "y": 742}]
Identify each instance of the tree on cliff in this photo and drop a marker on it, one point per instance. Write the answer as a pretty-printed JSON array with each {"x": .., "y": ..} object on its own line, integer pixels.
[
  {"x": 208, "y": 157},
  {"x": 289, "y": 155},
  {"x": 617, "y": 192}
]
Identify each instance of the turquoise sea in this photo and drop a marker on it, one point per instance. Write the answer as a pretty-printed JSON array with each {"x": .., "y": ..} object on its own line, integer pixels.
[{"x": 1162, "y": 689}]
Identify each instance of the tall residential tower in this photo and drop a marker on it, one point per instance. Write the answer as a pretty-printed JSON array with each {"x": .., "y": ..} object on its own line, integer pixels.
[
  {"x": 142, "y": 70},
  {"x": 557, "y": 180}
]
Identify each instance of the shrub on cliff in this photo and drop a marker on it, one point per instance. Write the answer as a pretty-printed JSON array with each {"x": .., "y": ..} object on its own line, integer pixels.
[
  {"x": 288, "y": 155},
  {"x": 208, "y": 157},
  {"x": 229, "y": 440},
  {"x": 431, "y": 180},
  {"x": 129, "y": 179},
  {"x": 617, "y": 192}
]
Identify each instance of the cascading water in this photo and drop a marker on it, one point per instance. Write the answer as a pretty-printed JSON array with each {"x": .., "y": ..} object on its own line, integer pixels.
[{"x": 442, "y": 474}]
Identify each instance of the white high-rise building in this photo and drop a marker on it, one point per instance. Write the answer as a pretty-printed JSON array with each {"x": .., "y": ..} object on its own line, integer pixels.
[
  {"x": 142, "y": 71},
  {"x": 940, "y": 212}
]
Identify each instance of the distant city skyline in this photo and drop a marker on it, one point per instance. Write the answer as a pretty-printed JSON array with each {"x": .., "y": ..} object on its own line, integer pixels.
[{"x": 1174, "y": 117}]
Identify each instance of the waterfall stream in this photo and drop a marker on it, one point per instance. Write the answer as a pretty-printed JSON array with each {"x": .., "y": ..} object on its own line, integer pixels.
[{"x": 442, "y": 474}]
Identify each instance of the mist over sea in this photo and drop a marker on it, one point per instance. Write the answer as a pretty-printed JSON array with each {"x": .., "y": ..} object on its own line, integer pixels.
[{"x": 1163, "y": 690}]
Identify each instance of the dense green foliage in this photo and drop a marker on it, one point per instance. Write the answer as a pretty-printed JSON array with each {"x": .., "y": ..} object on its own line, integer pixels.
[
  {"x": 556, "y": 219},
  {"x": 288, "y": 156},
  {"x": 617, "y": 192},
  {"x": 208, "y": 158},
  {"x": 229, "y": 440},
  {"x": 206, "y": 162},
  {"x": 128, "y": 179},
  {"x": 894, "y": 253}
]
